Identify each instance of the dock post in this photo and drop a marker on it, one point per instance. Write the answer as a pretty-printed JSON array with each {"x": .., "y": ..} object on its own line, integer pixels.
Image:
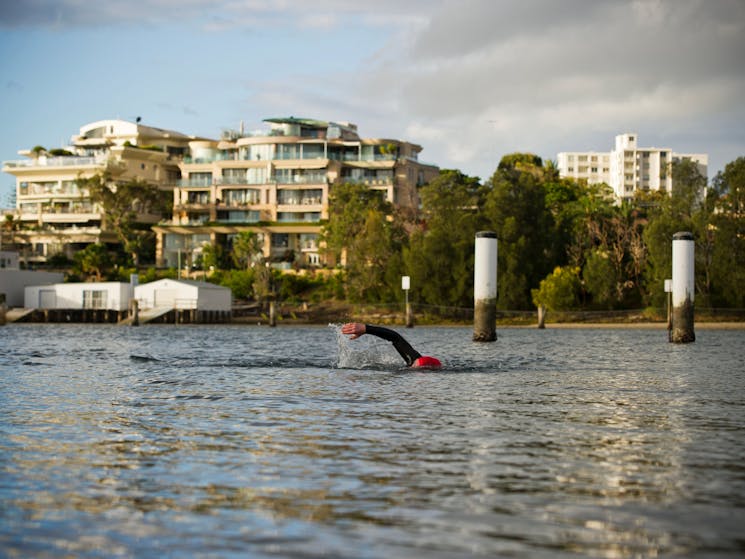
[
  {"x": 406, "y": 285},
  {"x": 272, "y": 313},
  {"x": 683, "y": 288},
  {"x": 485, "y": 287},
  {"x": 541, "y": 317},
  {"x": 3, "y": 309}
]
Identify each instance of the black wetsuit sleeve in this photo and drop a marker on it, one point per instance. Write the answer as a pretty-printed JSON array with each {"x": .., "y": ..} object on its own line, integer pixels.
[{"x": 402, "y": 346}]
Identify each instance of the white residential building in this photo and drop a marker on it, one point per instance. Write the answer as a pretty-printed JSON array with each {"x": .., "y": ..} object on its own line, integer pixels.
[
  {"x": 53, "y": 216},
  {"x": 627, "y": 168}
]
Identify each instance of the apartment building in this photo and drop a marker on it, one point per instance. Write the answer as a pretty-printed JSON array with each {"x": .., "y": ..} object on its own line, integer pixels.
[
  {"x": 276, "y": 183},
  {"x": 627, "y": 168},
  {"x": 53, "y": 217}
]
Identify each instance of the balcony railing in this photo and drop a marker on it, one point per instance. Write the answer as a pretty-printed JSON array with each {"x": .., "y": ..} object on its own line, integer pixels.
[
  {"x": 204, "y": 182},
  {"x": 228, "y": 181},
  {"x": 64, "y": 161},
  {"x": 302, "y": 179},
  {"x": 368, "y": 181},
  {"x": 218, "y": 157},
  {"x": 299, "y": 201}
]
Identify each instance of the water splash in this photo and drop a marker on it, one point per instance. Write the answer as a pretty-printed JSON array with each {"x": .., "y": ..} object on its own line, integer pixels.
[{"x": 367, "y": 352}]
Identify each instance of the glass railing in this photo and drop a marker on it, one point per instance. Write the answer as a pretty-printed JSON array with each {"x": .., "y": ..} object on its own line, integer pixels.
[
  {"x": 302, "y": 179},
  {"x": 369, "y": 181},
  {"x": 204, "y": 182},
  {"x": 299, "y": 217},
  {"x": 227, "y": 181},
  {"x": 211, "y": 159},
  {"x": 66, "y": 161},
  {"x": 238, "y": 217}
]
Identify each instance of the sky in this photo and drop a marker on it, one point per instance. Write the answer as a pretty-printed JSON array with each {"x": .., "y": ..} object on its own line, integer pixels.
[{"x": 468, "y": 80}]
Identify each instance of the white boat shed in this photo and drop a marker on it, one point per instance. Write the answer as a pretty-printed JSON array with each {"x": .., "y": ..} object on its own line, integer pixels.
[
  {"x": 111, "y": 296},
  {"x": 205, "y": 301}
]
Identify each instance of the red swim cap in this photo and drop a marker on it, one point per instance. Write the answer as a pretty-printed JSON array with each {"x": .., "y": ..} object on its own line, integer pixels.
[{"x": 427, "y": 362}]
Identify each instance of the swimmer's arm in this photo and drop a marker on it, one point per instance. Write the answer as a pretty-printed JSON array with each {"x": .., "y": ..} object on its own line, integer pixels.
[{"x": 402, "y": 346}]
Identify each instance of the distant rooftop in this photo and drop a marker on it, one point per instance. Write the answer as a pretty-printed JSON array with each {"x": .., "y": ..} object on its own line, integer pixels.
[{"x": 303, "y": 121}]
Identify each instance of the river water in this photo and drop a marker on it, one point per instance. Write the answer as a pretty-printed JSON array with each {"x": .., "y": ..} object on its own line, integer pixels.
[{"x": 249, "y": 441}]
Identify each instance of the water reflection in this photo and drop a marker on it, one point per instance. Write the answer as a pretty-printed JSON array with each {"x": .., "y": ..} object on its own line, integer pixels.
[{"x": 540, "y": 445}]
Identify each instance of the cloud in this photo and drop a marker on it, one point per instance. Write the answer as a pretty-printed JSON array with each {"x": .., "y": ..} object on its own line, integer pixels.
[
  {"x": 471, "y": 80},
  {"x": 215, "y": 15},
  {"x": 554, "y": 74}
]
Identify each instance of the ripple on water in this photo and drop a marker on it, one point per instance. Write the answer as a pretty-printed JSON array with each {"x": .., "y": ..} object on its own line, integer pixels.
[{"x": 293, "y": 441}]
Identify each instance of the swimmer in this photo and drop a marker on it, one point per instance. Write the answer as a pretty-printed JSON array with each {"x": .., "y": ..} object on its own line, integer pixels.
[{"x": 412, "y": 357}]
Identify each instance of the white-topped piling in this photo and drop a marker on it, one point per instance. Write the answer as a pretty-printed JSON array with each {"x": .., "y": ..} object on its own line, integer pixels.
[
  {"x": 485, "y": 287},
  {"x": 683, "y": 287}
]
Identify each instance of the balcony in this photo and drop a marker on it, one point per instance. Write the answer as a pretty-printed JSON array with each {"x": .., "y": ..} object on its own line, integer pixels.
[
  {"x": 63, "y": 161},
  {"x": 249, "y": 216},
  {"x": 236, "y": 198},
  {"x": 219, "y": 157},
  {"x": 368, "y": 181},
  {"x": 298, "y": 217},
  {"x": 201, "y": 182},
  {"x": 240, "y": 181},
  {"x": 302, "y": 179}
]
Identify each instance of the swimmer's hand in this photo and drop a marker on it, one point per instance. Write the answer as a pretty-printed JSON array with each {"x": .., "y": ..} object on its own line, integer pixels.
[{"x": 353, "y": 329}]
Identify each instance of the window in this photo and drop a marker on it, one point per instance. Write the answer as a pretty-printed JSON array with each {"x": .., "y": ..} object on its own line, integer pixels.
[
  {"x": 298, "y": 217},
  {"x": 299, "y": 197},
  {"x": 238, "y": 197},
  {"x": 200, "y": 179},
  {"x": 300, "y": 176},
  {"x": 258, "y": 152},
  {"x": 280, "y": 240},
  {"x": 234, "y": 176},
  {"x": 312, "y": 151},
  {"x": 236, "y": 216},
  {"x": 256, "y": 176},
  {"x": 308, "y": 241},
  {"x": 94, "y": 299}
]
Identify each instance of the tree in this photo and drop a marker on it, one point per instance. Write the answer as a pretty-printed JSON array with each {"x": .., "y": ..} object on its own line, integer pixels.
[
  {"x": 600, "y": 279},
  {"x": 515, "y": 208},
  {"x": 374, "y": 260},
  {"x": 558, "y": 291},
  {"x": 684, "y": 210},
  {"x": 514, "y": 161},
  {"x": 247, "y": 249},
  {"x": 349, "y": 204},
  {"x": 9, "y": 225},
  {"x": 93, "y": 260},
  {"x": 213, "y": 257},
  {"x": 365, "y": 227},
  {"x": 439, "y": 257},
  {"x": 122, "y": 204},
  {"x": 728, "y": 231}
]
